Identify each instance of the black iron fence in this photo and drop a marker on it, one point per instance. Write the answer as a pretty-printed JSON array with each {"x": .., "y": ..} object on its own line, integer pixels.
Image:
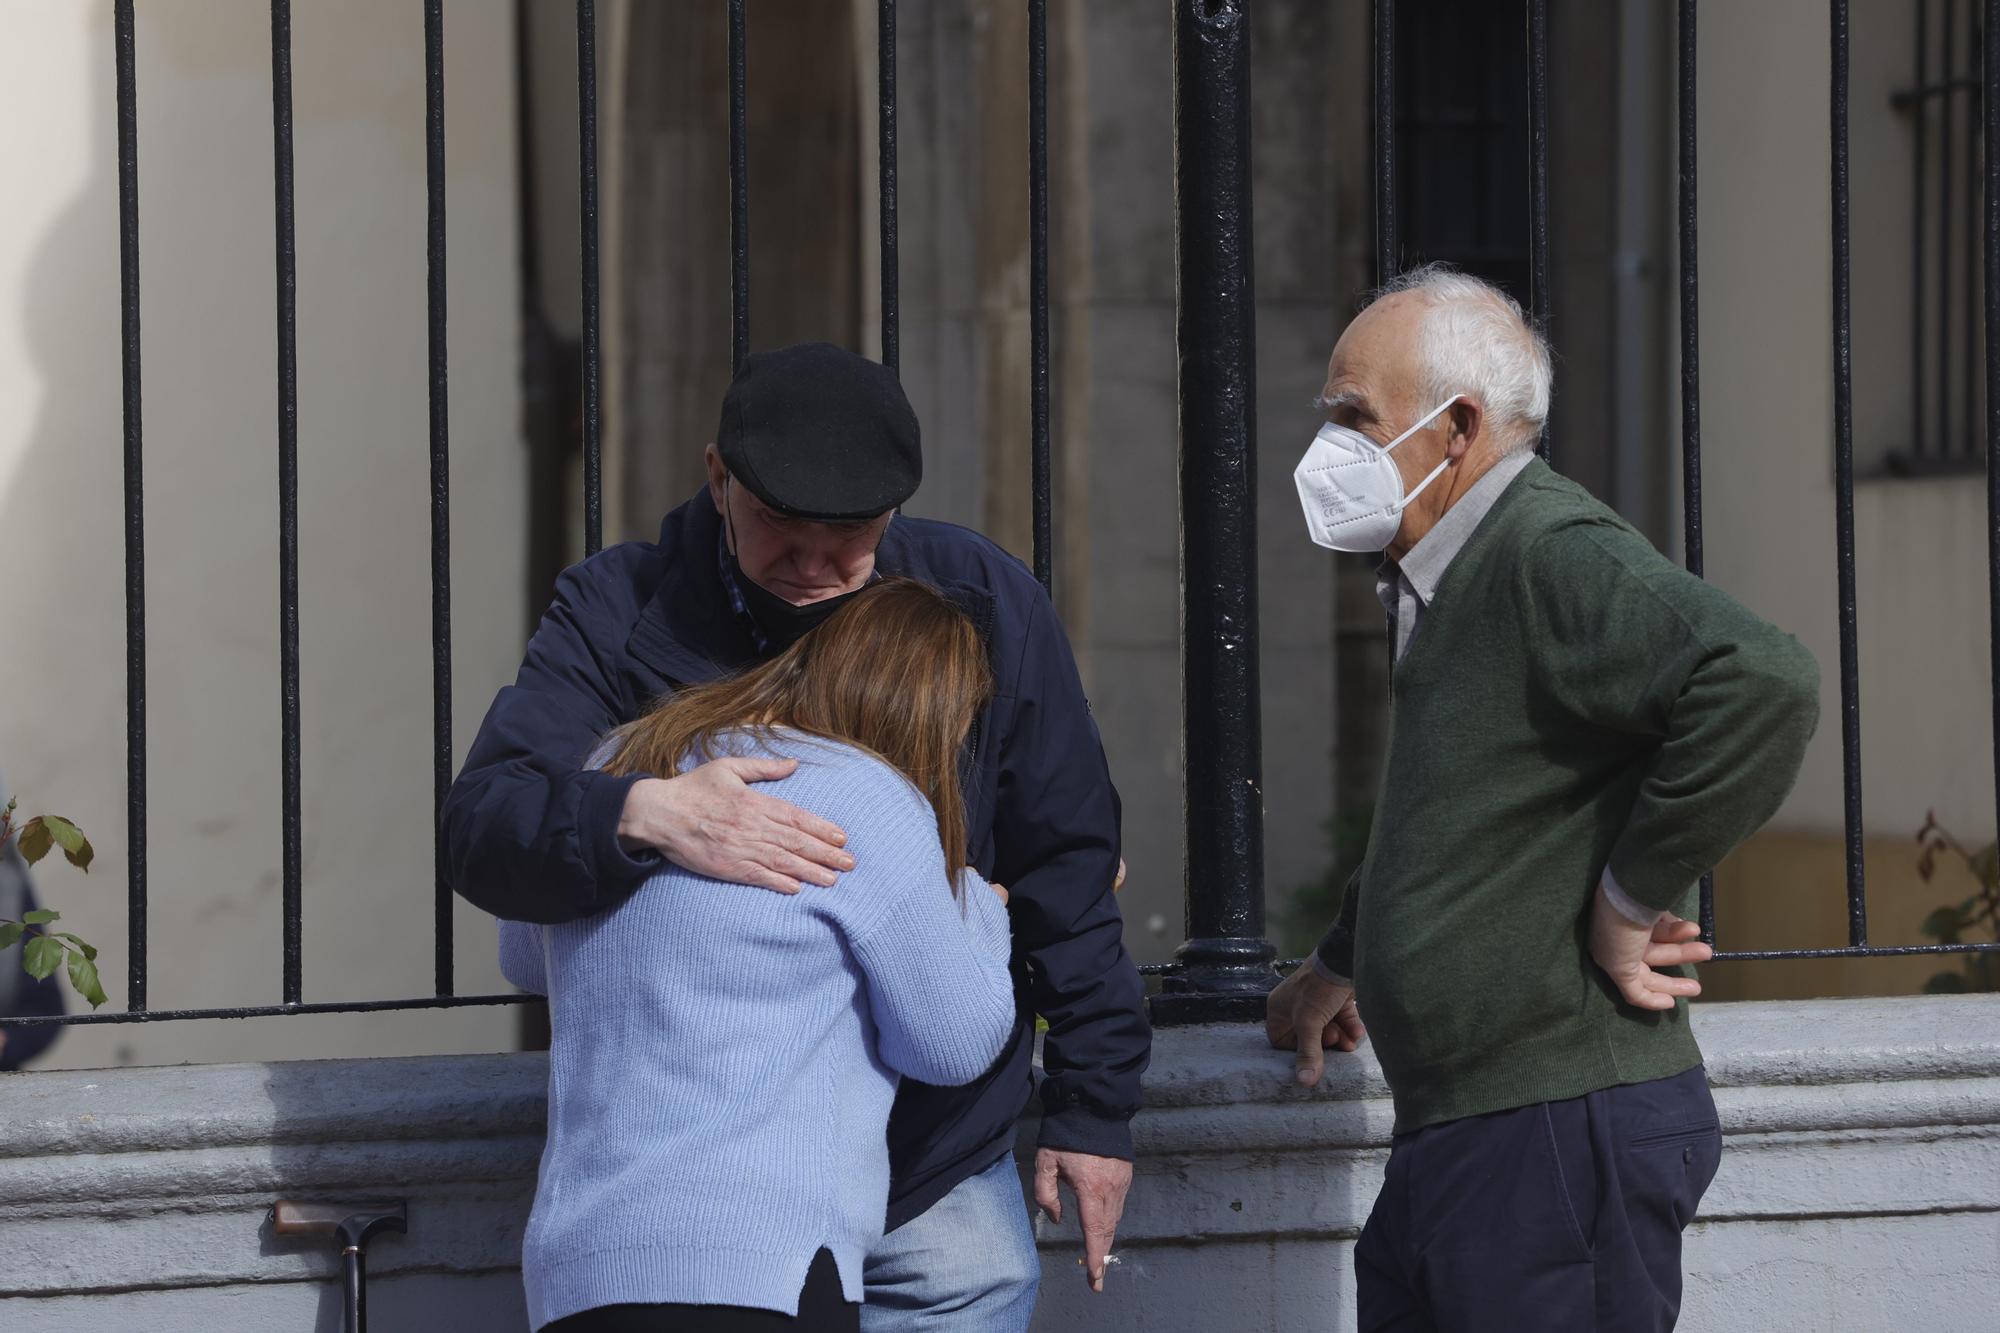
[
  {"x": 1226, "y": 963},
  {"x": 1943, "y": 102}
]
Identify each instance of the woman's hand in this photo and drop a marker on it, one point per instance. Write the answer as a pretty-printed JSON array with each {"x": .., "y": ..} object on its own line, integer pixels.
[{"x": 1001, "y": 890}]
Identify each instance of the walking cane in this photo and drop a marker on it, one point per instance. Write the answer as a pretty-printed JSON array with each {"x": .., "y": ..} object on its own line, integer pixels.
[{"x": 352, "y": 1226}]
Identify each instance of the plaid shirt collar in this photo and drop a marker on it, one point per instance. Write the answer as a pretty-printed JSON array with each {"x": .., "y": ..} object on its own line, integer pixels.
[{"x": 737, "y": 601}]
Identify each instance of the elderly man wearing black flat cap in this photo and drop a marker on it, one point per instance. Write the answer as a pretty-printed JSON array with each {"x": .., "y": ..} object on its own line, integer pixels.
[{"x": 816, "y": 450}]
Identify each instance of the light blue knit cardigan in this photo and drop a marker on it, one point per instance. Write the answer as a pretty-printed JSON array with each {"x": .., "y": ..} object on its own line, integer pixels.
[{"x": 724, "y": 1057}]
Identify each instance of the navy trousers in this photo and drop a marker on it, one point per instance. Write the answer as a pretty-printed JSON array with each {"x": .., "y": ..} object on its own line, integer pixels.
[{"x": 1560, "y": 1216}]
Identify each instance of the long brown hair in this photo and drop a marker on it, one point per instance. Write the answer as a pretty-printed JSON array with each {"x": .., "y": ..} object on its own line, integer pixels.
[{"x": 899, "y": 671}]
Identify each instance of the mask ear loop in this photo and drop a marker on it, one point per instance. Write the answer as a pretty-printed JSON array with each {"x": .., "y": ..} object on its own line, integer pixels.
[
  {"x": 1443, "y": 463},
  {"x": 729, "y": 520},
  {"x": 1423, "y": 421},
  {"x": 1406, "y": 501}
]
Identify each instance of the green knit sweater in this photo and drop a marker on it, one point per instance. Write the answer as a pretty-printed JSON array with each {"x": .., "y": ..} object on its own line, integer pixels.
[{"x": 1572, "y": 701}]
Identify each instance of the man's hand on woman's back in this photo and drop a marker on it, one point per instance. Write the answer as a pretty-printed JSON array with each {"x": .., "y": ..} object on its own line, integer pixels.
[{"x": 710, "y": 820}]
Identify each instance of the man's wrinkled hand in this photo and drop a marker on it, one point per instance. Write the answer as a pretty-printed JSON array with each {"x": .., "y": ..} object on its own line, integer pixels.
[
  {"x": 710, "y": 821},
  {"x": 1099, "y": 1184},
  {"x": 1629, "y": 953},
  {"x": 1311, "y": 1015}
]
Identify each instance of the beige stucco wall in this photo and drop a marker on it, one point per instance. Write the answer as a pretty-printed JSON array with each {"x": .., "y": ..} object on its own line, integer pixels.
[
  {"x": 207, "y": 251},
  {"x": 1767, "y": 415}
]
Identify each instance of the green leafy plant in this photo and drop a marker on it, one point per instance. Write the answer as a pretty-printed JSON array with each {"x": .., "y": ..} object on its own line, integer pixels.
[
  {"x": 45, "y": 949},
  {"x": 1977, "y": 915},
  {"x": 1311, "y": 907}
]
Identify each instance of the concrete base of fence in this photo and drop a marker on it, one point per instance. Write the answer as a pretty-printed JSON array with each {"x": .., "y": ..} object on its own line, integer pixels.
[{"x": 1860, "y": 1188}]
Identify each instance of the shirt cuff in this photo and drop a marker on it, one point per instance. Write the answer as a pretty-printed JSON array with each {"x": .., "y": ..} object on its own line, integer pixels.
[
  {"x": 613, "y": 870},
  {"x": 1336, "y": 952},
  {"x": 1327, "y": 974},
  {"x": 1077, "y": 1128},
  {"x": 1626, "y": 906}
]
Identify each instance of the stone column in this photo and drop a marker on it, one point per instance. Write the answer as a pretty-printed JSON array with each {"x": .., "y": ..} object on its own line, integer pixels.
[{"x": 804, "y": 127}]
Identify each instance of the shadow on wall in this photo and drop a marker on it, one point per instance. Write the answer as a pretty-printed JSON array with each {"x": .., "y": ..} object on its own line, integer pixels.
[
  {"x": 210, "y": 490},
  {"x": 61, "y": 675},
  {"x": 213, "y": 732}
]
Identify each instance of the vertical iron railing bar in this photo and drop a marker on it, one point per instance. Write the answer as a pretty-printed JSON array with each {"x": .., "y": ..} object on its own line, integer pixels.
[
  {"x": 1538, "y": 177},
  {"x": 1385, "y": 140},
  {"x": 440, "y": 405},
  {"x": 288, "y": 482},
  {"x": 135, "y": 510},
  {"x": 1969, "y": 375},
  {"x": 1990, "y": 106},
  {"x": 593, "y": 422},
  {"x": 1225, "y": 962},
  {"x": 1920, "y": 118},
  {"x": 1690, "y": 283},
  {"x": 1038, "y": 287},
  {"x": 1945, "y": 108},
  {"x": 885, "y": 126},
  {"x": 1843, "y": 446},
  {"x": 739, "y": 192}
]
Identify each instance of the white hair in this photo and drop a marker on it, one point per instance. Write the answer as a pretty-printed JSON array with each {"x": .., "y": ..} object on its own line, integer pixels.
[{"x": 1477, "y": 341}]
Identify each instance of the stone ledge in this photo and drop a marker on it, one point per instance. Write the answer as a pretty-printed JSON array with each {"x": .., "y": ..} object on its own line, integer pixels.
[
  {"x": 149, "y": 1179},
  {"x": 196, "y": 1107},
  {"x": 1808, "y": 1042}
]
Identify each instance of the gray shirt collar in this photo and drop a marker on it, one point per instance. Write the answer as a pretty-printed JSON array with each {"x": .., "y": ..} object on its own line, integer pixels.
[{"x": 1424, "y": 567}]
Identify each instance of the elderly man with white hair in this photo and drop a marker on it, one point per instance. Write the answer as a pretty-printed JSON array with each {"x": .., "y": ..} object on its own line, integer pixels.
[{"x": 1579, "y": 729}]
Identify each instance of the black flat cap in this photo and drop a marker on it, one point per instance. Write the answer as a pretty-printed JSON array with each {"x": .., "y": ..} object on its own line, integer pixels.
[{"x": 817, "y": 432}]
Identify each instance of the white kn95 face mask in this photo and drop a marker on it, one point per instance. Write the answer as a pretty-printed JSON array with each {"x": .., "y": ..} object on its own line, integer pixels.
[{"x": 1352, "y": 490}]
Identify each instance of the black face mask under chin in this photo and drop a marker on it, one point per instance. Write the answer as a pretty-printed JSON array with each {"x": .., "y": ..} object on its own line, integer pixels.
[{"x": 783, "y": 623}]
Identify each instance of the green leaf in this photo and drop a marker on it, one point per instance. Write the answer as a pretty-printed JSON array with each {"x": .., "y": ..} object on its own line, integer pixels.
[
  {"x": 76, "y": 847},
  {"x": 34, "y": 840},
  {"x": 67, "y": 835},
  {"x": 1985, "y": 864},
  {"x": 40, "y": 917},
  {"x": 1945, "y": 983},
  {"x": 89, "y": 950},
  {"x": 1944, "y": 924},
  {"x": 43, "y": 955},
  {"x": 9, "y": 932},
  {"x": 83, "y": 976}
]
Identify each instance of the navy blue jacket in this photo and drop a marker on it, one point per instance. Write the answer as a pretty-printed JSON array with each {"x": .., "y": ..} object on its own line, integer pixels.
[
  {"x": 530, "y": 835},
  {"x": 21, "y": 996}
]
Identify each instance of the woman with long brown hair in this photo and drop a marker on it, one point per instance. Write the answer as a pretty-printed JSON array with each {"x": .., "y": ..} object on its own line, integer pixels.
[{"x": 724, "y": 1058}]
